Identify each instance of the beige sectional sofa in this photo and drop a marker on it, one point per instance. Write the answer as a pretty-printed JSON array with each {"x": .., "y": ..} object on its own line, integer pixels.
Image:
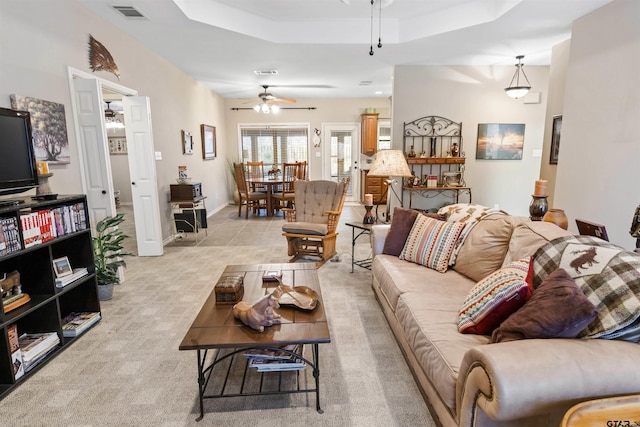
[{"x": 465, "y": 379}]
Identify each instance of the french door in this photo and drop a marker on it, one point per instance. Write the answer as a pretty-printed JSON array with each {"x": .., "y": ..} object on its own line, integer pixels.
[{"x": 342, "y": 154}]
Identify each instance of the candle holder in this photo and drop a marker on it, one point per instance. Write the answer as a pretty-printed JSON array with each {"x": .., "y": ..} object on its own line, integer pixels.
[
  {"x": 368, "y": 216},
  {"x": 538, "y": 207}
]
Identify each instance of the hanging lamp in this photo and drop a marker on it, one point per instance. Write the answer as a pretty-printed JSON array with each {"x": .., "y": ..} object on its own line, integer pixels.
[{"x": 517, "y": 89}]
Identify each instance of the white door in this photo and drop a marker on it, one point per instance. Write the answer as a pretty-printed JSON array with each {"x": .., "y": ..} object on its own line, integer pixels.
[
  {"x": 342, "y": 151},
  {"x": 95, "y": 164},
  {"x": 142, "y": 170}
]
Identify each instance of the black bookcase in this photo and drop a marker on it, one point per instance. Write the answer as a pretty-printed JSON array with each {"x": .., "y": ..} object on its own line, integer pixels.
[{"x": 33, "y": 234}]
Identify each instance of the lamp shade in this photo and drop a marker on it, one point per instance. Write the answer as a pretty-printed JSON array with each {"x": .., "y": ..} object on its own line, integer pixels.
[{"x": 389, "y": 163}]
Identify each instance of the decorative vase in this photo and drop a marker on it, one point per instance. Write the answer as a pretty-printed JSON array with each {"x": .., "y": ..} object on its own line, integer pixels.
[
  {"x": 105, "y": 292},
  {"x": 557, "y": 217},
  {"x": 538, "y": 207},
  {"x": 368, "y": 216},
  {"x": 432, "y": 148}
]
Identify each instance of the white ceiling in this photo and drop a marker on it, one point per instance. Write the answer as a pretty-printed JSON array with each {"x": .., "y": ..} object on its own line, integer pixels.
[{"x": 320, "y": 48}]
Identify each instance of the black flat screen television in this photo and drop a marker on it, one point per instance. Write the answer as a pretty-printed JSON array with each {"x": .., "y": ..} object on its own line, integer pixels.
[{"x": 18, "y": 169}]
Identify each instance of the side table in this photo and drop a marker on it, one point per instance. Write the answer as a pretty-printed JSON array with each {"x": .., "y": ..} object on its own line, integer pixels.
[{"x": 362, "y": 229}]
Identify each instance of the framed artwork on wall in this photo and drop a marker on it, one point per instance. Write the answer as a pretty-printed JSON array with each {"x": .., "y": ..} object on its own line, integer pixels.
[
  {"x": 117, "y": 145},
  {"x": 500, "y": 141},
  {"x": 187, "y": 143},
  {"x": 208, "y": 134},
  {"x": 555, "y": 140}
]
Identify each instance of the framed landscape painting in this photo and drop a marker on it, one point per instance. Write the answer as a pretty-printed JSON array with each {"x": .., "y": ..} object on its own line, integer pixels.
[
  {"x": 209, "y": 148},
  {"x": 500, "y": 141}
]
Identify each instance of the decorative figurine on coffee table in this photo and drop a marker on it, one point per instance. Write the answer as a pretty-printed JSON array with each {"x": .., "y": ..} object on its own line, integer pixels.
[{"x": 259, "y": 315}]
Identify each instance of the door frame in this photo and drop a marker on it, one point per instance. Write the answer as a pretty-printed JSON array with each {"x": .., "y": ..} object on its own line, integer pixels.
[
  {"x": 356, "y": 175},
  {"x": 73, "y": 73}
]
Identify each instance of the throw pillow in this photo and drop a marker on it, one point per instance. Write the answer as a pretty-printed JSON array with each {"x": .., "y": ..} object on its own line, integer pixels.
[
  {"x": 401, "y": 223},
  {"x": 557, "y": 309},
  {"x": 430, "y": 242},
  {"x": 495, "y": 298}
]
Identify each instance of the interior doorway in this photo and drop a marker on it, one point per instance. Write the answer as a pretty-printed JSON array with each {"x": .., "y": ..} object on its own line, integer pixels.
[
  {"x": 88, "y": 107},
  {"x": 342, "y": 153}
]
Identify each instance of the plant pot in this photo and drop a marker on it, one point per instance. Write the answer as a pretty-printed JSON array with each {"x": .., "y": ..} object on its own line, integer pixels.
[{"x": 105, "y": 292}]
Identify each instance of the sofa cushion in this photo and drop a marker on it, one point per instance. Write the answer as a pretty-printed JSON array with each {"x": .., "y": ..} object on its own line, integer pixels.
[
  {"x": 431, "y": 242},
  {"x": 495, "y": 298},
  {"x": 529, "y": 236},
  {"x": 401, "y": 224},
  {"x": 395, "y": 277},
  {"x": 557, "y": 309},
  {"x": 490, "y": 237},
  {"x": 428, "y": 321}
]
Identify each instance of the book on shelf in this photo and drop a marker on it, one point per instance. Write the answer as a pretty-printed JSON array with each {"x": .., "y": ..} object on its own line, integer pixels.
[
  {"x": 16, "y": 353},
  {"x": 15, "y": 301},
  {"x": 61, "y": 282},
  {"x": 76, "y": 323},
  {"x": 36, "y": 346},
  {"x": 265, "y": 360},
  {"x": 41, "y": 226}
]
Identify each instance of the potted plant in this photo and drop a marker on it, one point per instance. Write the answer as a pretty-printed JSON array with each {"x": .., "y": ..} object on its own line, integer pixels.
[{"x": 107, "y": 252}]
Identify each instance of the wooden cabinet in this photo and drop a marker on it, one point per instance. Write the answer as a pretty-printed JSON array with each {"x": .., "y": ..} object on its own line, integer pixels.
[
  {"x": 376, "y": 186},
  {"x": 369, "y": 133},
  {"x": 33, "y": 235}
]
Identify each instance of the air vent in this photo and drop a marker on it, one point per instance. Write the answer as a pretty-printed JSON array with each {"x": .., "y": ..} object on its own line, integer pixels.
[
  {"x": 265, "y": 72},
  {"x": 129, "y": 11},
  {"x": 365, "y": 83}
]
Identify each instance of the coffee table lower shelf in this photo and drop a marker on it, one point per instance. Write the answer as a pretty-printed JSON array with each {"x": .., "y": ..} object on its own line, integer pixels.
[{"x": 231, "y": 366}]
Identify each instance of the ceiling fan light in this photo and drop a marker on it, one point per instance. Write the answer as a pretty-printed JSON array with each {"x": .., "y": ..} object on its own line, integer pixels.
[
  {"x": 256, "y": 108},
  {"x": 265, "y": 108},
  {"x": 275, "y": 108}
]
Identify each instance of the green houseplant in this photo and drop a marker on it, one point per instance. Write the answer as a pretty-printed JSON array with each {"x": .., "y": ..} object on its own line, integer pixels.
[{"x": 108, "y": 253}]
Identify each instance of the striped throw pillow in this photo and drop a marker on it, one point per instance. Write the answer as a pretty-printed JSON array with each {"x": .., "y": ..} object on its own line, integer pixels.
[
  {"x": 495, "y": 298},
  {"x": 431, "y": 242}
]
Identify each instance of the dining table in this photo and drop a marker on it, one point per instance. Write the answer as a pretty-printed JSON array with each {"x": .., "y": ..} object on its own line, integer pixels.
[{"x": 269, "y": 183}]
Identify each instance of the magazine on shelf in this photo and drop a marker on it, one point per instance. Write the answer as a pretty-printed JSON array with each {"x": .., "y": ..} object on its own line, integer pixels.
[
  {"x": 33, "y": 346},
  {"x": 274, "y": 360},
  {"x": 16, "y": 353},
  {"x": 77, "y": 322}
]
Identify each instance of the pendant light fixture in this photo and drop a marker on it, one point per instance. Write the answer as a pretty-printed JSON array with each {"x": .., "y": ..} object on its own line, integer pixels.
[
  {"x": 517, "y": 89},
  {"x": 379, "y": 25}
]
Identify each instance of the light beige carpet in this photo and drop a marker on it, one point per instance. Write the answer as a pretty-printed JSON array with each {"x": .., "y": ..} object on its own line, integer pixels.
[{"x": 128, "y": 371}]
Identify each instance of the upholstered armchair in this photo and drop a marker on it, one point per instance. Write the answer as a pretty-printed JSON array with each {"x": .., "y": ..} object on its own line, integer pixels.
[{"x": 310, "y": 227}]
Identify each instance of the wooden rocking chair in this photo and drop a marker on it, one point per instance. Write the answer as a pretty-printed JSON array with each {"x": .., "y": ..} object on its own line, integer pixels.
[{"x": 311, "y": 226}]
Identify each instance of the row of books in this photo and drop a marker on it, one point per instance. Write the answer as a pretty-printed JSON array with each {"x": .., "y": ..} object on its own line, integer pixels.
[
  {"x": 28, "y": 349},
  {"x": 63, "y": 281},
  {"x": 266, "y": 360},
  {"x": 41, "y": 226},
  {"x": 9, "y": 236}
]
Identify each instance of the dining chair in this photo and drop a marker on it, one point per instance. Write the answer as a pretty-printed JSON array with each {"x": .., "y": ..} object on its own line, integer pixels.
[
  {"x": 256, "y": 170},
  {"x": 250, "y": 199},
  {"x": 286, "y": 194},
  {"x": 301, "y": 173}
]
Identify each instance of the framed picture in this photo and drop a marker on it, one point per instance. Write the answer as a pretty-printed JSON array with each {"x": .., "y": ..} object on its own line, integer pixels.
[
  {"x": 500, "y": 141},
  {"x": 555, "y": 140},
  {"x": 187, "y": 143},
  {"x": 117, "y": 145},
  {"x": 208, "y": 141},
  {"x": 451, "y": 179},
  {"x": 62, "y": 267}
]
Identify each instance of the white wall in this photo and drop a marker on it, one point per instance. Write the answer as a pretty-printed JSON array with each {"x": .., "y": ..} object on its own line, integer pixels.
[
  {"x": 474, "y": 95},
  {"x": 39, "y": 39},
  {"x": 598, "y": 169}
]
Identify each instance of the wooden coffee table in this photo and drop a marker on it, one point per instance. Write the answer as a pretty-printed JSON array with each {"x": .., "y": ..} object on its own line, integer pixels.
[{"x": 215, "y": 328}]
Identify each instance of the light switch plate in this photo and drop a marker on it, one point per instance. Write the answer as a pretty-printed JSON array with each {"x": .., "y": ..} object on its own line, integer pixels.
[{"x": 158, "y": 155}]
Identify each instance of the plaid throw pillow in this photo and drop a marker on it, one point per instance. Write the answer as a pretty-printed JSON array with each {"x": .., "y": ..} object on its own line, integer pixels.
[
  {"x": 430, "y": 242},
  {"x": 495, "y": 298}
]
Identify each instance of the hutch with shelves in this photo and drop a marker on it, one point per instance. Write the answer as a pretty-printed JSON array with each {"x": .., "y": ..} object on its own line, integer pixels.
[
  {"x": 32, "y": 235},
  {"x": 434, "y": 149}
]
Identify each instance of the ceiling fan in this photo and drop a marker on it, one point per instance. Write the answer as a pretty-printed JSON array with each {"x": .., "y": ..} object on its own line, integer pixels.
[
  {"x": 111, "y": 119},
  {"x": 268, "y": 104}
]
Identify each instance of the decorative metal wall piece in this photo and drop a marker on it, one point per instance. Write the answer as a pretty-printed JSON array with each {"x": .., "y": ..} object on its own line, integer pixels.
[{"x": 100, "y": 59}]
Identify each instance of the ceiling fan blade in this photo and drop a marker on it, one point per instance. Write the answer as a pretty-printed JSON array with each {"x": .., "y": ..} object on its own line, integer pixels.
[{"x": 282, "y": 100}]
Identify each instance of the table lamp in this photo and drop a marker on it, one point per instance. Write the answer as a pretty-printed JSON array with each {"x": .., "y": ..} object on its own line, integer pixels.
[{"x": 389, "y": 163}]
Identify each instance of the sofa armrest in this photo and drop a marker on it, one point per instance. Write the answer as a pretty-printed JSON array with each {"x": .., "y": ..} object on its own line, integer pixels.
[
  {"x": 524, "y": 378},
  {"x": 379, "y": 234}
]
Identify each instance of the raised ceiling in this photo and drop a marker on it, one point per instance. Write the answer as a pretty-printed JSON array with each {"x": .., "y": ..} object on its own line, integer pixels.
[{"x": 320, "y": 48}]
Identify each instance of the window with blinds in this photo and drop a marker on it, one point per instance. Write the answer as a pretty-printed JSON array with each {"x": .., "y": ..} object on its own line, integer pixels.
[{"x": 274, "y": 144}]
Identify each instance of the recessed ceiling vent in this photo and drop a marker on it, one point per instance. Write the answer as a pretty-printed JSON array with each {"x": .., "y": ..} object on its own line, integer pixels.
[
  {"x": 365, "y": 83},
  {"x": 129, "y": 12},
  {"x": 265, "y": 72}
]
